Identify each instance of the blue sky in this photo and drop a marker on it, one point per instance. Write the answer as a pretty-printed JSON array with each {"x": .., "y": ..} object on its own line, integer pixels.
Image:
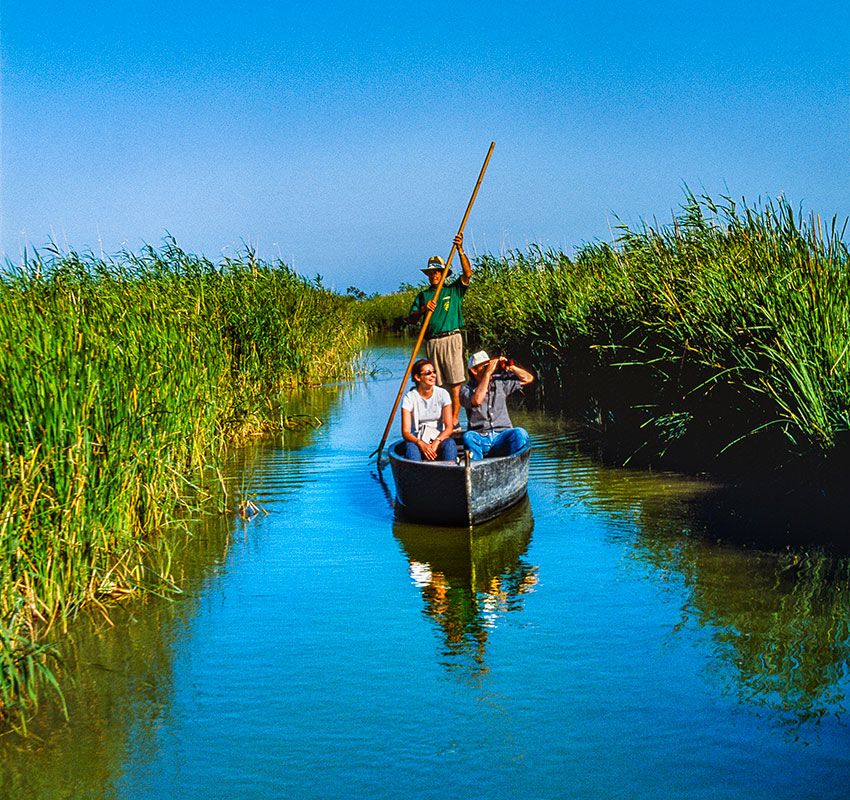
[{"x": 346, "y": 138}]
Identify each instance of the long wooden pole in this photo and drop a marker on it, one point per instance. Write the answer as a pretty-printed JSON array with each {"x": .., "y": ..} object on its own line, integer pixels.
[{"x": 430, "y": 312}]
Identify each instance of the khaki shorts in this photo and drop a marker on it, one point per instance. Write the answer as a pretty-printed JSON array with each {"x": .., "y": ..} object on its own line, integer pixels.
[{"x": 446, "y": 353}]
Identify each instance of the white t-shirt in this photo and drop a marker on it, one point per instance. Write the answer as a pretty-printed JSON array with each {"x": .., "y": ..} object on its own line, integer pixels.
[{"x": 427, "y": 414}]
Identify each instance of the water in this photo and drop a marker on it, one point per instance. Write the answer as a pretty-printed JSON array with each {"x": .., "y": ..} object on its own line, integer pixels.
[{"x": 601, "y": 640}]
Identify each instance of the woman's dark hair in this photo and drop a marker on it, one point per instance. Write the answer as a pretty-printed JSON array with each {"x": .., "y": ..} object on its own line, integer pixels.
[{"x": 418, "y": 366}]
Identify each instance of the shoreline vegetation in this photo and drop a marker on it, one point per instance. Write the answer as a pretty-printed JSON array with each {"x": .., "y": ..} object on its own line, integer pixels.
[
  {"x": 719, "y": 342},
  {"x": 384, "y": 313},
  {"x": 122, "y": 381}
]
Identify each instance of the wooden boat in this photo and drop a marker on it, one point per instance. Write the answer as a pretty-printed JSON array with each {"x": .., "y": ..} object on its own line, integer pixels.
[{"x": 444, "y": 493}]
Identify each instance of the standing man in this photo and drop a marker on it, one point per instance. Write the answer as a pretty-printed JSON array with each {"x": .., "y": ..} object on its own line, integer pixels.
[
  {"x": 491, "y": 380},
  {"x": 443, "y": 339}
]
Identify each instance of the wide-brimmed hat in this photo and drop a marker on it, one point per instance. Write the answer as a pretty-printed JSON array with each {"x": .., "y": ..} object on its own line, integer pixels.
[
  {"x": 476, "y": 359},
  {"x": 435, "y": 263}
]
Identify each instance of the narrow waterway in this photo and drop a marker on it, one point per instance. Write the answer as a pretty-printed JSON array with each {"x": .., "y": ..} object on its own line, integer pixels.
[{"x": 603, "y": 639}]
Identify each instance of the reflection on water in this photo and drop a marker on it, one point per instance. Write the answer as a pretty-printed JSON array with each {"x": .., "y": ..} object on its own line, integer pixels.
[
  {"x": 469, "y": 579},
  {"x": 118, "y": 683},
  {"x": 608, "y": 638},
  {"x": 780, "y": 621},
  {"x": 117, "y": 671}
]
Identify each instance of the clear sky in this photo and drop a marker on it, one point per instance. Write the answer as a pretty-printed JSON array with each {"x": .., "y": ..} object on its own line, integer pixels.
[{"x": 345, "y": 138}]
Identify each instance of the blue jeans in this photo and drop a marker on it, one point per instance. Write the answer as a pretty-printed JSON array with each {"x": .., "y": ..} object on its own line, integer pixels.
[
  {"x": 505, "y": 443},
  {"x": 447, "y": 451}
]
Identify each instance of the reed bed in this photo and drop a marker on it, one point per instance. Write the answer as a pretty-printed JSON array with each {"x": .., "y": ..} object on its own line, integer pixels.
[
  {"x": 121, "y": 382},
  {"x": 722, "y": 337},
  {"x": 386, "y": 313}
]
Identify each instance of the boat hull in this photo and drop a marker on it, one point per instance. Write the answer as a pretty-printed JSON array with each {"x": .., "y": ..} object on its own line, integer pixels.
[{"x": 442, "y": 493}]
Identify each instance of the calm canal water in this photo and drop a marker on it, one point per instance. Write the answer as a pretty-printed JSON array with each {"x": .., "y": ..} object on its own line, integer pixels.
[{"x": 602, "y": 640}]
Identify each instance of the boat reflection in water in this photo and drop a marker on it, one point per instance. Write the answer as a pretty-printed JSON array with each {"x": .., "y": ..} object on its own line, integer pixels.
[{"x": 470, "y": 579}]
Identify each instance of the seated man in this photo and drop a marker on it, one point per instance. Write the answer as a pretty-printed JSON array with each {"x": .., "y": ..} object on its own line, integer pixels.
[{"x": 490, "y": 430}]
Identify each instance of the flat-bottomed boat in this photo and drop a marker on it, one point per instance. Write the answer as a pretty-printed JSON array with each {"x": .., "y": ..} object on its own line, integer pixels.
[{"x": 465, "y": 493}]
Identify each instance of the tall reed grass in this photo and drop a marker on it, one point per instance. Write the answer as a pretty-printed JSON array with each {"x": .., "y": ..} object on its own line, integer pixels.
[
  {"x": 388, "y": 312},
  {"x": 724, "y": 333},
  {"x": 121, "y": 381}
]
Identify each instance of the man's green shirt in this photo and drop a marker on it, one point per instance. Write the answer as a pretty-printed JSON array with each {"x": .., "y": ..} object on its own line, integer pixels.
[{"x": 448, "y": 315}]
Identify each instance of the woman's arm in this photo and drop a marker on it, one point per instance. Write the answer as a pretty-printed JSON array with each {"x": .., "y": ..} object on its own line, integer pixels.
[
  {"x": 428, "y": 450},
  {"x": 448, "y": 424},
  {"x": 406, "y": 425}
]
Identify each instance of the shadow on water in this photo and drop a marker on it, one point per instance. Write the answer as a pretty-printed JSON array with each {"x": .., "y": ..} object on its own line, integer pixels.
[
  {"x": 778, "y": 616},
  {"x": 469, "y": 579}
]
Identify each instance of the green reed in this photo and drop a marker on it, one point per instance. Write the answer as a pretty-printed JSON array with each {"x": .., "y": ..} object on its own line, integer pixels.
[
  {"x": 726, "y": 329},
  {"x": 386, "y": 312},
  {"x": 121, "y": 381}
]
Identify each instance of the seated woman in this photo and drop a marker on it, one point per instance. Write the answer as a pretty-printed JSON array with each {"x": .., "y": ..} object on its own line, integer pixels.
[{"x": 426, "y": 417}]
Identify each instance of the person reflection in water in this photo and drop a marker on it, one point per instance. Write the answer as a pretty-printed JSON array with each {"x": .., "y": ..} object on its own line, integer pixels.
[
  {"x": 426, "y": 417},
  {"x": 491, "y": 432},
  {"x": 467, "y": 613}
]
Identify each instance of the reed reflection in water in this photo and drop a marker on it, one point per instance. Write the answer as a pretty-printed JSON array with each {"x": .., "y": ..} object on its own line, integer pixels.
[
  {"x": 606, "y": 639},
  {"x": 118, "y": 677},
  {"x": 778, "y": 620}
]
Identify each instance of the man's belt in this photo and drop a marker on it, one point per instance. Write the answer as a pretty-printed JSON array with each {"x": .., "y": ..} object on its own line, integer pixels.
[{"x": 443, "y": 335}]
